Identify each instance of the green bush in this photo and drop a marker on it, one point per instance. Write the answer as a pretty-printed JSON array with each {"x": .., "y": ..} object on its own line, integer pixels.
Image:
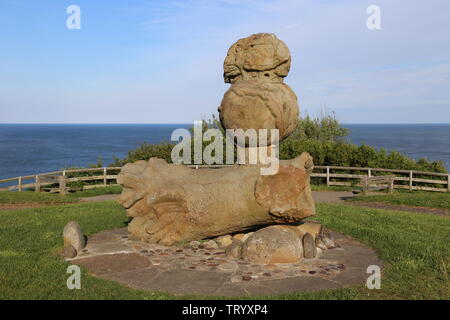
[
  {"x": 144, "y": 152},
  {"x": 323, "y": 138}
]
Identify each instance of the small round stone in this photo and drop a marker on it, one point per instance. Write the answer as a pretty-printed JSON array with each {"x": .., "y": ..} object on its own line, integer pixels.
[
  {"x": 309, "y": 246},
  {"x": 194, "y": 243},
  {"x": 69, "y": 252},
  {"x": 211, "y": 244}
]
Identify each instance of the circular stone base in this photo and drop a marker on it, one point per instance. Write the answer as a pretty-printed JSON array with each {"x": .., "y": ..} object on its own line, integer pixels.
[{"x": 183, "y": 270}]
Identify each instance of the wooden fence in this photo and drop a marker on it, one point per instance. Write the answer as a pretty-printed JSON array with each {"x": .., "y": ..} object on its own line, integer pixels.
[
  {"x": 62, "y": 179},
  {"x": 408, "y": 179},
  {"x": 58, "y": 181}
]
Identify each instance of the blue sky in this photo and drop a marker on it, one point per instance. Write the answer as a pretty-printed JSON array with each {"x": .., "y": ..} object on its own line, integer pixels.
[{"x": 148, "y": 61}]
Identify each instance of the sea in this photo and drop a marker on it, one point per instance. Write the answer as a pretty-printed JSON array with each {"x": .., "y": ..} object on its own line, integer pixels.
[{"x": 27, "y": 149}]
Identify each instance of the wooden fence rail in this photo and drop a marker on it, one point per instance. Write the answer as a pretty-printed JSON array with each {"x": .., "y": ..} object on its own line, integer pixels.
[
  {"x": 62, "y": 178},
  {"x": 408, "y": 179}
]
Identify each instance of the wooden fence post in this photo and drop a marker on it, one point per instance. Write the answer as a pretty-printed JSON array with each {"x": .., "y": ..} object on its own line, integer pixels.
[
  {"x": 365, "y": 181},
  {"x": 328, "y": 176},
  {"x": 448, "y": 183},
  {"x": 37, "y": 184},
  {"x": 410, "y": 180},
  {"x": 62, "y": 185},
  {"x": 104, "y": 176},
  {"x": 391, "y": 185},
  {"x": 369, "y": 172},
  {"x": 20, "y": 183}
]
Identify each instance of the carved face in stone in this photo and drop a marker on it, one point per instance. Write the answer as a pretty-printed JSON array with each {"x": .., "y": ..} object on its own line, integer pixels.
[
  {"x": 171, "y": 203},
  {"x": 260, "y": 56},
  {"x": 258, "y": 98}
]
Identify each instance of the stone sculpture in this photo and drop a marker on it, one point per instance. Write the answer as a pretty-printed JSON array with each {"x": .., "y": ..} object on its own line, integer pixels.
[
  {"x": 258, "y": 98},
  {"x": 174, "y": 203}
]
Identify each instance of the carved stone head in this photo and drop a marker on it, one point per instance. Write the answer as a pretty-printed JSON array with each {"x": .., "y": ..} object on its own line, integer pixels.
[{"x": 261, "y": 56}]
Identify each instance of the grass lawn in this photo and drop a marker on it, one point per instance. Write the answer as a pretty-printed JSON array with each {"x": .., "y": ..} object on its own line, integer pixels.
[
  {"x": 415, "y": 198},
  {"x": 11, "y": 197},
  {"x": 414, "y": 248},
  {"x": 322, "y": 187}
]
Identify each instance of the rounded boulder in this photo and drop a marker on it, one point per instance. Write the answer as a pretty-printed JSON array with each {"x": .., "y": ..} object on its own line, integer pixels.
[
  {"x": 274, "y": 244},
  {"x": 74, "y": 236}
]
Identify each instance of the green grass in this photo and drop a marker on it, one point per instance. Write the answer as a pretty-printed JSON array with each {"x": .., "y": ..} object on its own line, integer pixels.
[
  {"x": 98, "y": 191},
  {"x": 322, "y": 187},
  {"x": 12, "y": 197},
  {"x": 30, "y": 240},
  {"x": 414, "y": 248},
  {"x": 414, "y": 198},
  {"x": 28, "y": 197}
]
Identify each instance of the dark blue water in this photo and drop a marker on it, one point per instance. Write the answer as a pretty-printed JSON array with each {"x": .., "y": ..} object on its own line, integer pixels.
[
  {"x": 431, "y": 141},
  {"x": 27, "y": 149}
]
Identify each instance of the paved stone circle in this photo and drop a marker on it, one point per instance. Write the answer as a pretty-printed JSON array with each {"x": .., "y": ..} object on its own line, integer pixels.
[{"x": 113, "y": 255}]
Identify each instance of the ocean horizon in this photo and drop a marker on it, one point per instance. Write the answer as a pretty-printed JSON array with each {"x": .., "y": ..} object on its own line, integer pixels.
[{"x": 27, "y": 148}]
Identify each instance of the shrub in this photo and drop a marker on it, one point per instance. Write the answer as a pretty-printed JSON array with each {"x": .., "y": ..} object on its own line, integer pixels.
[{"x": 144, "y": 152}]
